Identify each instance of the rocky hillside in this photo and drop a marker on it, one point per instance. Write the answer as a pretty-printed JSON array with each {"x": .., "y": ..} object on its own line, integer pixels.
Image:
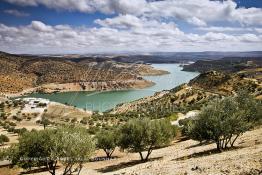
[
  {"x": 19, "y": 73},
  {"x": 225, "y": 84},
  {"x": 193, "y": 95}
]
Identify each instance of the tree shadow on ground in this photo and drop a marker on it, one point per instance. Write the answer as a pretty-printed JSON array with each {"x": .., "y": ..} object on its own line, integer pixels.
[
  {"x": 103, "y": 158},
  {"x": 204, "y": 153},
  {"x": 124, "y": 165},
  {"x": 182, "y": 139},
  {"x": 36, "y": 170},
  {"x": 199, "y": 144}
]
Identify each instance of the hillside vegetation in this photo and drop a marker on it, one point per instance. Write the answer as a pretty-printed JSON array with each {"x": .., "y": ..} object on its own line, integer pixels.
[
  {"x": 197, "y": 93},
  {"x": 19, "y": 73}
]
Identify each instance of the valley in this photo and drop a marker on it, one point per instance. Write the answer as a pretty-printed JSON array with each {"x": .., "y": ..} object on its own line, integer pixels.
[{"x": 157, "y": 92}]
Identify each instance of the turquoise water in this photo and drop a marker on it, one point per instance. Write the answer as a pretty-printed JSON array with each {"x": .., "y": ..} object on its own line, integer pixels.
[{"x": 102, "y": 101}]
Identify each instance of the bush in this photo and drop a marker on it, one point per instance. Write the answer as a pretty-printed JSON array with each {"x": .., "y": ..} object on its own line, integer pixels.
[
  {"x": 3, "y": 115},
  {"x": 140, "y": 135},
  {"x": 45, "y": 122},
  {"x": 84, "y": 120},
  {"x": 3, "y": 138},
  {"x": 10, "y": 129},
  {"x": 12, "y": 124},
  {"x": 73, "y": 120},
  {"x": 93, "y": 130},
  {"x": 107, "y": 140},
  {"x": 20, "y": 131}
]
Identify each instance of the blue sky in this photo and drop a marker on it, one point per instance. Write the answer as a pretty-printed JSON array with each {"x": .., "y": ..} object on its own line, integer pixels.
[
  {"x": 85, "y": 26},
  {"x": 46, "y": 15}
]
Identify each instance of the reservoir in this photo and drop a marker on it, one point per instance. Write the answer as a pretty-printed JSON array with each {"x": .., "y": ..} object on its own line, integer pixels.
[{"x": 102, "y": 101}]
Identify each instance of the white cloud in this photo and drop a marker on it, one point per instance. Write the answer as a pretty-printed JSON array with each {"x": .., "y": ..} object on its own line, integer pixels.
[
  {"x": 196, "y": 21},
  {"x": 196, "y": 12},
  {"x": 150, "y": 35},
  {"x": 88, "y": 6},
  {"x": 41, "y": 27},
  {"x": 258, "y": 30},
  {"x": 16, "y": 13},
  {"x": 121, "y": 21},
  {"x": 225, "y": 29},
  {"x": 139, "y": 25}
]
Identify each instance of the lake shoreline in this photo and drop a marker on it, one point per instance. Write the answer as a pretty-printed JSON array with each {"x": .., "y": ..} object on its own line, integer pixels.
[
  {"x": 106, "y": 99},
  {"x": 54, "y": 88}
]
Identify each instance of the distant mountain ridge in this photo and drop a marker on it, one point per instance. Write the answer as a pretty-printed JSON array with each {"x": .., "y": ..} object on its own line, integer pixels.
[
  {"x": 227, "y": 64},
  {"x": 154, "y": 57}
]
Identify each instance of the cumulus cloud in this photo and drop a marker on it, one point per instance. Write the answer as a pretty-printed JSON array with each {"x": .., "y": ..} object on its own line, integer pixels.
[
  {"x": 122, "y": 21},
  {"x": 41, "y": 27},
  {"x": 139, "y": 25},
  {"x": 16, "y": 13},
  {"x": 88, "y": 6},
  {"x": 197, "y": 22},
  {"x": 196, "y": 12},
  {"x": 149, "y": 35},
  {"x": 226, "y": 29}
]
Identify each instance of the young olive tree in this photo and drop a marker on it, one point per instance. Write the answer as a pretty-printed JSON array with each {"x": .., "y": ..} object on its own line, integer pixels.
[
  {"x": 107, "y": 140},
  {"x": 140, "y": 135}
]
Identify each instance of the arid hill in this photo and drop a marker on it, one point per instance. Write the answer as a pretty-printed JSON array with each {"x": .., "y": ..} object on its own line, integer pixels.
[
  {"x": 193, "y": 95},
  {"x": 19, "y": 73}
]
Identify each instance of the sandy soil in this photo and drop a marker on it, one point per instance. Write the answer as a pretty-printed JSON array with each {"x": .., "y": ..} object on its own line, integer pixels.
[
  {"x": 59, "y": 111},
  {"x": 185, "y": 157},
  {"x": 188, "y": 157}
]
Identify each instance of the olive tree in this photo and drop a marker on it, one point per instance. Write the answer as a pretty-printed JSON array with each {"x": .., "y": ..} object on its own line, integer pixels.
[
  {"x": 140, "y": 135},
  {"x": 33, "y": 150},
  {"x": 222, "y": 121},
  {"x": 251, "y": 107},
  {"x": 69, "y": 145},
  {"x": 107, "y": 140},
  {"x": 74, "y": 146},
  {"x": 45, "y": 122}
]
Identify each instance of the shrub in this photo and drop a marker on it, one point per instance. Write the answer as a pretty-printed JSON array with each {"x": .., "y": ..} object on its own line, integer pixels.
[
  {"x": 3, "y": 138},
  {"x": 93, "y": 130},
  {"x": 17, "y": 118},
  {"x": 10, "y": 129},
  {"x": 84, "y": 120},
  {"x": 3, "y": 115},
  {"x": 12, "y": 124},
  {"x": 20, "y": 131},
  {"x": 73, "y": 120},
  {"x": 140, "y": 135},
  {"x": 45, "y": 122}
]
